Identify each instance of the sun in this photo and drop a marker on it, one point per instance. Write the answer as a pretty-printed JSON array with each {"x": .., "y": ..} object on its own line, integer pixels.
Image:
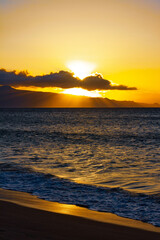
[{"x": 81, "y": 69}]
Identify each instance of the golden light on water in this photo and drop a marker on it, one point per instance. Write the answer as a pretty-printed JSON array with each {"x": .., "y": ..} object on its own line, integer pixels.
[{"x": 81, "y": 69}]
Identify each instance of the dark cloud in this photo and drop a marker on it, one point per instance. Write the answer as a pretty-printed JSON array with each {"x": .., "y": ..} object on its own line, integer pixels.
[
  {"x": 62, "y": 79},
  {"x": 97, "y": 82}
]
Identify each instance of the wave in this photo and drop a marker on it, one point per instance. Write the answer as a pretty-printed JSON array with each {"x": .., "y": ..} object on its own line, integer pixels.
[{"x": 50, "y": 187}]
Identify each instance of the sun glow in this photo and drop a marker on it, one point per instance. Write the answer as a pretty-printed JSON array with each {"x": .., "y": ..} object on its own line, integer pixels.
[
  {"x": 41, "y": 89},
  {"x": 72, "y": 91},
  {"x": 81, "y": 92},
  {"x": 81, "y": 69}
]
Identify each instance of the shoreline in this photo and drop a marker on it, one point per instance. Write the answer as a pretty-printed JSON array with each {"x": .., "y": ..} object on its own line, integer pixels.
[{"x": 23, "y": 213}]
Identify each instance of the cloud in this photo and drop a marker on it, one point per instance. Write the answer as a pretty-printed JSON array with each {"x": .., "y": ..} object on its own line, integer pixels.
[
  {"x": 62, "y": 79},
  {"x": 97, "y": 82}
]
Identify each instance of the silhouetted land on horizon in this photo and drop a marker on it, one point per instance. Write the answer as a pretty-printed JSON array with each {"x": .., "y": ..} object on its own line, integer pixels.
[{"x": 12, "y": 98}]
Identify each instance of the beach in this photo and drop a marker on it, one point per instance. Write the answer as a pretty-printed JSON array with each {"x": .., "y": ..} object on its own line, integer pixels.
[{"x": 23, "y": 216}]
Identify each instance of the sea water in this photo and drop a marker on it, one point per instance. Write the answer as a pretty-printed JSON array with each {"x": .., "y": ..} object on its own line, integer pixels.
[{"x": 102, "y": 159}]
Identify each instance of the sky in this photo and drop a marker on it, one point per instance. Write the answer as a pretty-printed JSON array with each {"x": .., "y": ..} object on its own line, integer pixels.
[{"x": 119, "y": 38}]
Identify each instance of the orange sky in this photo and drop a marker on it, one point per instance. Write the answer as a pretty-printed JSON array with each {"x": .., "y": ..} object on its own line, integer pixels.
[{"x": 121, "y": 39}]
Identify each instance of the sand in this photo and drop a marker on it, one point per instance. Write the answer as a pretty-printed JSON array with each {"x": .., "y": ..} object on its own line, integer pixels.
[{"x": 24, "y": 217}]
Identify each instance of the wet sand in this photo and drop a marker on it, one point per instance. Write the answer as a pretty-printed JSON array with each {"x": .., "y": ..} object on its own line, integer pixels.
[{"x": 24, "y": 217}]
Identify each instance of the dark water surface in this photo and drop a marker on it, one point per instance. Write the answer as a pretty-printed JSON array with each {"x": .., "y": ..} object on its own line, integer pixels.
[{"x": 104, "y": 159}]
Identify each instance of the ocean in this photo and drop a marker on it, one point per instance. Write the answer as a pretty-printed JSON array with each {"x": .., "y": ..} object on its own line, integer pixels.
[{"x": 102, "y": 159}]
